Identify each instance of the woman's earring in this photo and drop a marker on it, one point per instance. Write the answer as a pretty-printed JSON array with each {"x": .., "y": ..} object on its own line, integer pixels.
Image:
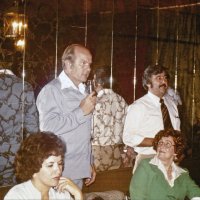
[{"x": 175, "y": 157}]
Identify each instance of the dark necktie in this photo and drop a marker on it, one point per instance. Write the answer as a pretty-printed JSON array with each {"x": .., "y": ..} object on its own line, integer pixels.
[{"x": 165, "y": 114}]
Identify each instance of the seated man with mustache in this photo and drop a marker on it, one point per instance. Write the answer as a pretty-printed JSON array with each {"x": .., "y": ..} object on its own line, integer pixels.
[{"x": 145, "y": 118}]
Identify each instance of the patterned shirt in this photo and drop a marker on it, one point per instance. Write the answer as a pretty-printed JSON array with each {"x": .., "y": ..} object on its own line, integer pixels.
[
  {"x": 108, "y": 118},
  {"x": 14, "y": 97}
]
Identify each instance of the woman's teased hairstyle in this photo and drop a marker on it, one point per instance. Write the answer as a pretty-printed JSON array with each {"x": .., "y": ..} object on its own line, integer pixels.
[
  {"x": 177, "y": 136},
  {"x": 33, "y": 151}
]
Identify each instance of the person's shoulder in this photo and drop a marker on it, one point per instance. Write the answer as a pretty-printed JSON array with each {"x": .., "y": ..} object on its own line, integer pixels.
[
  {"x": 142, "y": 100},
  {"x": 55, "y": 83},
  {"x": 144, "y": 165},
  {"x": 145, "y": 161},
  {"x": 15, "y": 191},
  {"x": 18, "y": 83},
  {"x": 25, "y": 190},
  {"x": 19, "y": 80},
  {"x": 184, "y": 175},
  {"x": 117, "y": 96},
  {"x": 140, "y": 103},
  {"x": 13, "y": 77},
  {"x": 184, "y": 171}
]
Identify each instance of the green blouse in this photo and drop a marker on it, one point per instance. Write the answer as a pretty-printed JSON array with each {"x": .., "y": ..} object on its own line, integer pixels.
[{"x": 149, "y": 183}]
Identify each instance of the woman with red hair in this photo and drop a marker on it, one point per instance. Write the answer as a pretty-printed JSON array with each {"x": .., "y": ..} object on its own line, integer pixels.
[{"x": 39, "y": 165}]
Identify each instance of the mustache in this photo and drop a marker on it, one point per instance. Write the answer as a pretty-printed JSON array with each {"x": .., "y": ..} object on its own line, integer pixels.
[{"x": 163, "y": 85}]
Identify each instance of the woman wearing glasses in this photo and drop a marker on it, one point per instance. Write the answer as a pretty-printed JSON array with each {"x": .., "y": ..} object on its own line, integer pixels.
[{"x": 159, "y": 178}]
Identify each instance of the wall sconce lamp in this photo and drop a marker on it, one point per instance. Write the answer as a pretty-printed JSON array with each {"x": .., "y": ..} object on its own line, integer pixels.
[
  {"x": 15, "y": 23},
  {"x": 20, "y": 44}
]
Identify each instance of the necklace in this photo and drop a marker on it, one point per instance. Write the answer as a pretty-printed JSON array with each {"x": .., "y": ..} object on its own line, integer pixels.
[{"x": 169, "y": 172}]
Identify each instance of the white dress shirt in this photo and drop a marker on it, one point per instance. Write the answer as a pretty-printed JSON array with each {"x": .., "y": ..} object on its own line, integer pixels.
[
  {"x": 66, "y": 82},
  {"x": 27, "y": 191},
  {"x": 176, "y": 170},
  {"x": 144, "y": 120}
]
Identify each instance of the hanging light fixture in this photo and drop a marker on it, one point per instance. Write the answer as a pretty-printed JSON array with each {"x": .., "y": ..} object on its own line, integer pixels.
[
  {"x": 20, "y": 44},
  {"x": 14, "y": 20}
]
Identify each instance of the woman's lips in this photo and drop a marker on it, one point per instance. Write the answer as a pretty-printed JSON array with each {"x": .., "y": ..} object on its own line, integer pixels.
[{"x": 57, "y": 178}]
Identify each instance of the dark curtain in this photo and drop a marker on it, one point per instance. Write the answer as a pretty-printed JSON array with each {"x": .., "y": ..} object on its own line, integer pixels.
[{"x": 174, "y": 42}]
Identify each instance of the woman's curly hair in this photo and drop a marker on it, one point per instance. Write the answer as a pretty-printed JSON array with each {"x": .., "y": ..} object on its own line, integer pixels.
[
  {"x": 177, "y": 136},
  {"x": 33, "y": 151}
]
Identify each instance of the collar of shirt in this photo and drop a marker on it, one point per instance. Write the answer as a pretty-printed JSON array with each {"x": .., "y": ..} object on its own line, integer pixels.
[
  {"x": 103, "y": 91},
  {"x": 176, "y": 171},
  {"x": 37, "y": 193},
  {"x": 6, "y": 71},
  {"x": 66, "y": 82},
  {"x": 155, "y": 98}
]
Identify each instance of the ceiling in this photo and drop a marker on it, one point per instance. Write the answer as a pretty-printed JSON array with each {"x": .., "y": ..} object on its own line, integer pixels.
[{"x": 95, "y": 6}]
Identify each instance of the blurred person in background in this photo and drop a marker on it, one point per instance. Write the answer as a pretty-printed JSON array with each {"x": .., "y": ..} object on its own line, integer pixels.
[
  {"x": 18, "y": 116},
  {"x": 108, "y": 122}
]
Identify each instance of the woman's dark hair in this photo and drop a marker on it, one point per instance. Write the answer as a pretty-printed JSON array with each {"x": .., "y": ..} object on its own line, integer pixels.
[
  {"x": 34, "y": 150},
  {"x": 153, "y": 70},
  {"x": 177, "y": 136}
]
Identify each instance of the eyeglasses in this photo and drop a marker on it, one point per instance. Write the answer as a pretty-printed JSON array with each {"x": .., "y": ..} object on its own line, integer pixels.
[{"x": 166, "y": 144}]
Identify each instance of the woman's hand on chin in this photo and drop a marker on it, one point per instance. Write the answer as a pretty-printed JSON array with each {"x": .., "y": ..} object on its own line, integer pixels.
[{"x": 66, "y": 184}]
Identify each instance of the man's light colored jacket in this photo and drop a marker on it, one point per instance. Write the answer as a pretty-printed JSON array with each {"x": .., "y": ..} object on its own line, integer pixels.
[{"x": 59, "y": 112}]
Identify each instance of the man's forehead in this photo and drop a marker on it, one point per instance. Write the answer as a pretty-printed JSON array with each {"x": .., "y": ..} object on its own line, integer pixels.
[
  {"x": 83, "y": 55},
  {"x": 159, "y": 74},
  {"x": 82, "y": 50}
]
